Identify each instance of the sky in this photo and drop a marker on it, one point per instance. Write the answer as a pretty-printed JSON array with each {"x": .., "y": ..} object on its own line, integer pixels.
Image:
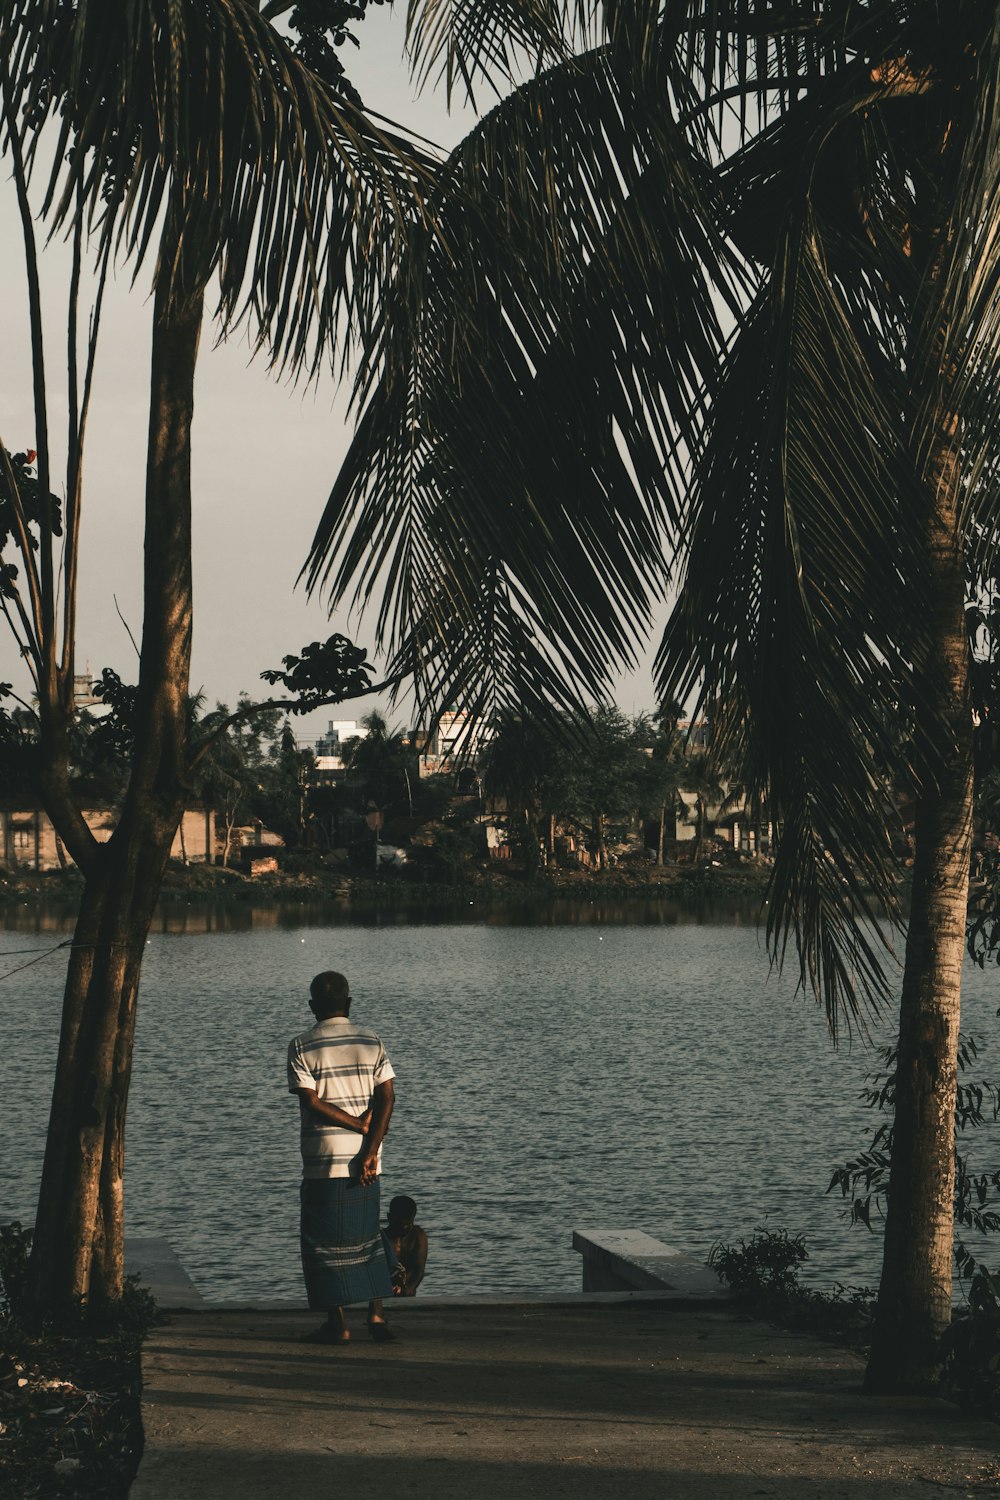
[{"x": 265, "y": 454}]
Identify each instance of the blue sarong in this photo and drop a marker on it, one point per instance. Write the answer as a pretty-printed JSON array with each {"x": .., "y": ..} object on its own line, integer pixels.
[{"x": 343, "y": 1251}]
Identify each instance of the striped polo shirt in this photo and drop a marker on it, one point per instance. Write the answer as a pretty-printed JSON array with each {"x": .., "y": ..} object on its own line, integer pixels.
[{"x": 342, "y": 1063}]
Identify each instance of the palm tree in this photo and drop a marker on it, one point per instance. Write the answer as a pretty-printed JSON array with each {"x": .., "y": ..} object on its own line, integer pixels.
[
  {"x": 382, "y": 759},
  {"x": 518, "y": 762},
  {"x": 711, "y": 296},
  {"x": 660, "y": 781},
  {"x": 699, "y": 775},
  {"x": 195, "y": 128}
]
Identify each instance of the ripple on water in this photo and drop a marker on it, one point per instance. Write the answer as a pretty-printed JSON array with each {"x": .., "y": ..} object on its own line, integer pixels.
[{"x": 549, "y": 1077}]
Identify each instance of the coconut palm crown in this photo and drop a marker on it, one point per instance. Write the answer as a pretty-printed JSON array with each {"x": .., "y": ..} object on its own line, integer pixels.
[{"x": 709, "y": 303}]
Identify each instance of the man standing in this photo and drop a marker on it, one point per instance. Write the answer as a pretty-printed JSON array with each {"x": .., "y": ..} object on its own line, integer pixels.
[{"x": 344, "y": 1082}]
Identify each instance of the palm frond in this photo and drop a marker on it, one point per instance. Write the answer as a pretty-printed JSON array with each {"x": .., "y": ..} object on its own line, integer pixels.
[
  {"x": 797, "y": 611},
  {"x": 465, "y": 41},
  {"x": 955, "y": 358},
  {"x": 544, "y": 353},
  {"x": 291, "y": 197}
]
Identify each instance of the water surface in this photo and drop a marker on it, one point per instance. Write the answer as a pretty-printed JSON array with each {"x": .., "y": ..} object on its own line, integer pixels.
[{"x": 589, "y": 1073}]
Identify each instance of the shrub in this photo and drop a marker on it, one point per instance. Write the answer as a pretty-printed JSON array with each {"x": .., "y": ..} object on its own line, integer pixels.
[{"x": 767, "y": 1263}]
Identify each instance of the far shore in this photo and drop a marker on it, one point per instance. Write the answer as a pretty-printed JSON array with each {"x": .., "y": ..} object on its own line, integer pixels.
[{"x": 682, "y": 883}]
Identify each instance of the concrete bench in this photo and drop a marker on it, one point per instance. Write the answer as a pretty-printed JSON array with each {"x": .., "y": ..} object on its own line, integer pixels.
[
  {"x": 158, "y": 1266},
  {"x": 628, "y": 1260}
]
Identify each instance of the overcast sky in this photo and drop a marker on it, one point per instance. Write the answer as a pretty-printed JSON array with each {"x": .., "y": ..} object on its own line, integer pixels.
[{"x": 264, "y": 455}]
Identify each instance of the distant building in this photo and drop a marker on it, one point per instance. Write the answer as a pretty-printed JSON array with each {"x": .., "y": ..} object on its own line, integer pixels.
[
  {"x": 328, "y": 749},
  {"x": 696, "y": 734},
  {"x": 457, "y": 736},
  {"x": 28, "y": 840}
]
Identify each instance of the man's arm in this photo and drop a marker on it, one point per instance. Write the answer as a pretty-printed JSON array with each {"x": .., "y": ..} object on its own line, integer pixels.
[
  {"x": 336, "y": 1116},
  {"x": 383, "y": 1100}
]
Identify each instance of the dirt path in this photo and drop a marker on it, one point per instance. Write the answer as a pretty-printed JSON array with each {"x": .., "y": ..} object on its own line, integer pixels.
[{"x": 632, "y": 1401}]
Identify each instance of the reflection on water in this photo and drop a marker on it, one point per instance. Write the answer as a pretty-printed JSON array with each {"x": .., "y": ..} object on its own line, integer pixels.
[
  {"x": 594, "y": 1073},
  {"x": 203, "y": 916}
]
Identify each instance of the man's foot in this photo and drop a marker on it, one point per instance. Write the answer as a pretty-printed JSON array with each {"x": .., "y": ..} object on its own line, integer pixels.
[
  {"x": 380, "y": 1331},
  {"x": 328, "y": 1334}
]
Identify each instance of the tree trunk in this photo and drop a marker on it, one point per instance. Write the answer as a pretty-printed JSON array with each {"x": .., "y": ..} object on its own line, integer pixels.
[
  {"x": 600, "y": 844},
  {"x": 660, "y": 834},
  {"x": 914, "y": 1305},
  {"x": 78, "y": 1250}
]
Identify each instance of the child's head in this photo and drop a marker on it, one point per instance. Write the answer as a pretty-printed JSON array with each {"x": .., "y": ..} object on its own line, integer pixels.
[{"x": 402, "y": 1212}]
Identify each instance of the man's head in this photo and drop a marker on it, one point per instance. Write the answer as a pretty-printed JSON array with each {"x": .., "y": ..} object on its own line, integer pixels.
[
  {"x": 402, "y": 1212},
  {"x": 329, "y": 995}
]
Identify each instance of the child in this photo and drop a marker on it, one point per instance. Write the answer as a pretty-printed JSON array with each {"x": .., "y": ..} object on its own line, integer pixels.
[{"x": 409, "y": 1242}]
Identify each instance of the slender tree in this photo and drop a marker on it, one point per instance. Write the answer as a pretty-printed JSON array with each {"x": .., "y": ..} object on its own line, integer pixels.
[
  {"x": 713, "y": 295},
  {"x": 660, "y": 779},
  {"x": 699, "y": 776},
  {"x": 190, "y": 129}
]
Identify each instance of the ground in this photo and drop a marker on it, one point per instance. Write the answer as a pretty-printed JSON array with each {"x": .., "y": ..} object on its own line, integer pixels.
[{"x": 592, "y": 1401}]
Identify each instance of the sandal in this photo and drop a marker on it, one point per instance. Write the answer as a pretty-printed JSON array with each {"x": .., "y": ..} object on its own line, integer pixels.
[{"x": 380, "y": 1331}]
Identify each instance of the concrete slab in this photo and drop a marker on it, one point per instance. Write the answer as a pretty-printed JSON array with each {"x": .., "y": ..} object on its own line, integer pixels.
[
  {"x": 156, "y": 1263},
  {"x": 591, "y": 1399},
  {"x": 617, "y": 1259}
]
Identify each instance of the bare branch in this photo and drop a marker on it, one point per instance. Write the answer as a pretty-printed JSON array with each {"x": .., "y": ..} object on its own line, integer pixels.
[
  {"x": 46, "y": 605},
  {"x": 128, "y": 627},
  {"x": 23, "y": 646},
  {"x": 74, "y": 477}
]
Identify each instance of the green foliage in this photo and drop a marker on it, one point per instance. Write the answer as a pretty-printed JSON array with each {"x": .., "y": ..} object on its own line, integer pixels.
[
  {"x": 20, "y": 493},
  {"x": 768, "y": 1262},
  {"x": 590, "y": 770},
  {"x": 130, "y": 1317},
  {"x": 83, "y": 1366},
  {"x": 764, "y": 1271},
  {"x": 18, "y": 750},
  {"x": 977, "y": 1194},
  {"x": 382, "y": 766},
  {"x": 323, "y": 672},
  {"x": 15, "y": 1248},
  {"x": 456, "y": 845},
  {"x": 320, "y": 27},
  {"x": 971, "y": 1346}
]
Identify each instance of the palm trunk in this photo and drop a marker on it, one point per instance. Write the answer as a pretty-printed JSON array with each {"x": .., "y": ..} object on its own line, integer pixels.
[
  {"x": 660, "y": 834},
  {"x": 914, "y": 1305},
  {"x": 699, "y": 827},
  {"x": 78, "y": 1250}
]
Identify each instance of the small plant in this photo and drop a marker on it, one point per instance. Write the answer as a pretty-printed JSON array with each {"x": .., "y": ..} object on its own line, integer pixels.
[
  {"x": 15, "y": 1247},
  {"x": 765, "y": 1272},
  {"x": 766, "y": 1263},
  {"x": 971, "y": 1346}
]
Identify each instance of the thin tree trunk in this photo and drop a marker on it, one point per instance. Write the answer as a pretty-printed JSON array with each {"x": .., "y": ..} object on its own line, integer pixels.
[
  {"x": 914, "y": 1305},
  {"x": 78, "y": 1249},
  {"x": 600, "y": 846},
  {"x": 660, "y": 834}
]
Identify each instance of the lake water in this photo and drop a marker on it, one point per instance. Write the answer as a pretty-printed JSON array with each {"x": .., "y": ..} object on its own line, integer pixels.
[{"x": 586, "y": 1066}]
